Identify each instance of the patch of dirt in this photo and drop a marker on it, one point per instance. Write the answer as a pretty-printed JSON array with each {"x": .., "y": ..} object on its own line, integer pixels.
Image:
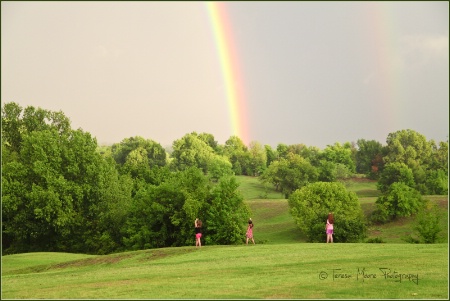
[
  {"x": 361, "y": 180},
  {"x": 154, "y": 255},
  {"x": 443, "y": 203},
  {"x": 375, "y": 232},
  {"x": 102, "y": 259}
]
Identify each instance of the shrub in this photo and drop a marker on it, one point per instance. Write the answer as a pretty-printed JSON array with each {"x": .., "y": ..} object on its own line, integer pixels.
[
  {"x": 400, "y": 200},
  {"x": 427, "y": 224},
  {"x": 395, "y": 173},
  {"x": 437, "y": 182},
  {"x": 377, "y": 240},
  {"x": 310, "y": 206}
]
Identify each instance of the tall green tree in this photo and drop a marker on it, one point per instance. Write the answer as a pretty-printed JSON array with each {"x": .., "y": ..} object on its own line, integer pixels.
[
  {"x": 411, "y": 148},
  {"x": 192, "y": 151},
  {"x": 399, "y": 201},
  {"x": 12, "y": 126},
  {"x": 258, "y": 158},
  {"x": 163, "y": 215},
  {"x": 367, "y": 157},
  {"x": 290, "y": 173},
  {"x": 271, "y": 154},
  {"x": 54, "y": 186},
  {"x": 394, "y": 173},
  {"x": 226, "y": 214},
  {"x": 210, "y": 140},
  {"x": 154, "y": 153},
  {"x": 342, "y": 154},
  {"x": 237, "y": 152},
  {"x": 282, "y": 150}
]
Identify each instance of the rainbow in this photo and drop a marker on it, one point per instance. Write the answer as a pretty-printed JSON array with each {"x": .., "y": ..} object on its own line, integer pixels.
[
  {"x": 229, "y": 63},
  {"x": 381, "y": 26}
]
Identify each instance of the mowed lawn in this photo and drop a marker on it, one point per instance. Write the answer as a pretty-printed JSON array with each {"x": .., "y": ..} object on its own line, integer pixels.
[{"x": 278, "y": 271}]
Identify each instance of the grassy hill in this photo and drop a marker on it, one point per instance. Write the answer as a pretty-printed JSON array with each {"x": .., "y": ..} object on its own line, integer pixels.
[
  {"x": 279, "y": 266},
  {"x": 274, "y": 224},
  {"x": 278, "y": 271}
]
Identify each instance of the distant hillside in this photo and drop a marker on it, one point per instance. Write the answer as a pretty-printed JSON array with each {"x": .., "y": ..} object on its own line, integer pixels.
[{"x": 274, "y": 224}]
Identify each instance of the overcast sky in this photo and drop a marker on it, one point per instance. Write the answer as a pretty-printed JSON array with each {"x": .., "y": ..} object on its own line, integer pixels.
[{"x": 311, "y": 72}]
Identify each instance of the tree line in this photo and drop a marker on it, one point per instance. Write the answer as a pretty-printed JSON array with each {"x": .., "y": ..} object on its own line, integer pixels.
[{"x": 61, "y": 191}]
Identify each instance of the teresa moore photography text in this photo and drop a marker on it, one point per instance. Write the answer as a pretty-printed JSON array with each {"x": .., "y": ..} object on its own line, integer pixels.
[{"x": 363, "y": 274}]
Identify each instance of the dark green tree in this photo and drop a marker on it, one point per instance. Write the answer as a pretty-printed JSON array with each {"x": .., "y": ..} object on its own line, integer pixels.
[
  {"x": 163, "y": 215},
  {"x": 236, "y": 151},
  {"x": 271, "y": 154},
  {"x": 154, "y": 153},
  {"x": 367, "y": 157},
  {"x": 342, "y": 154},
  {"x": 399, "y": 201},
  {"x": 290, "y": 173},
  {"x": 393, "y": 173},
  {"x": 55, "y": 186},
  {"x": 257, "y": 158},
  {"x": 226, "y": 214}
]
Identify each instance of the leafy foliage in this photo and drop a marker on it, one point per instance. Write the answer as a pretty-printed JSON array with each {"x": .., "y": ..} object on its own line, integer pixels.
[
  {"x": 163, "y": 215},
  {"x": 367, "y": 158},
  {"x": 290, "y": 173},
  {"x": 400, "y": 200},
  {"x": 58, "y": 193},
  {"x": 395, "y": 173},
  {"x": 341, "y": 154},
  {"x": 428, "y": 224},
  {"x": 237, "y": 153},
  {"x": 226, "y": 213}
]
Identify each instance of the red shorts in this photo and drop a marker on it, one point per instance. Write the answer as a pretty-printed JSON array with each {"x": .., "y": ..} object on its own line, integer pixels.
[{"x": 198, "y": 235}]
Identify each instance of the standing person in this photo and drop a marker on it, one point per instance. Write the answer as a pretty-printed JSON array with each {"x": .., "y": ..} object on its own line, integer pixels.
[
  {"x": 249, "y": 233},
  {"x": 329, "y": 227},
  {"x": 198, "y": 232}
]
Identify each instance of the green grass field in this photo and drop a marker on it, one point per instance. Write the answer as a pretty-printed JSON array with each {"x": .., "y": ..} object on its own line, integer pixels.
[
  {"x": 280, "y": 266},
  {"x": 283, "y": 271}
]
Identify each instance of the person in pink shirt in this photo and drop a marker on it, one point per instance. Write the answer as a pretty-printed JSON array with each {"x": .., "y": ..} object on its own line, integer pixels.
[
  {"x": 329, "y": 227},
  {"x": 198, "y": 233},
  {"x": 249, "y": 233}
]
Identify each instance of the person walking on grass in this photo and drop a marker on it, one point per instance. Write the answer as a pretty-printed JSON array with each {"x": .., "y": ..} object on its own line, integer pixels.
[
  {"x": 329, "y": 227},
  {"x": 198, "y": 233},
  {"x": 249, "y": 233}
]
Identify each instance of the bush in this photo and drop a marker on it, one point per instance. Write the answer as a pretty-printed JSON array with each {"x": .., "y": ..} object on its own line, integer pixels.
[
  {"x": 400, "y": 200},
  {"x": 376, "y": 240},
  {"x": 410, "y": 239},
  {"x": 395, "y": 173},
  {"x": 427, "y": 224},
  {"x": 311, "y": 204},
  {"x": 437, "y": 182}
]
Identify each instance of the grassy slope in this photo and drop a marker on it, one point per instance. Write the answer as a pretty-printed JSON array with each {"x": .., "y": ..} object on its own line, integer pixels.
[
  {"x": 278, "y": 271},
  {"x": 274, "y": 224}
]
